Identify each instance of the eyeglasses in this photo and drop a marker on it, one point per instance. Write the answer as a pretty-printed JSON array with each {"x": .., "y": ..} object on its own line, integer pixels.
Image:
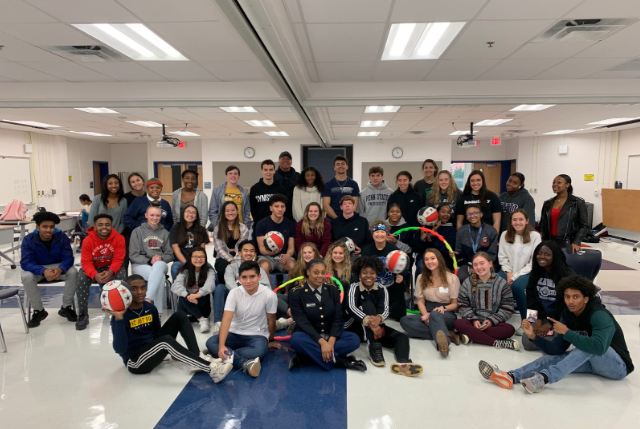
[
  {"x": 190, "y": 213},
  {"x": 198, "y": 257},
  {"x": 473, "y": 214}
]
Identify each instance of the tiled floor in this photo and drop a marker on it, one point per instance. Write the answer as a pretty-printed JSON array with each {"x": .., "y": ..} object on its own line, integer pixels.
[{"x": 57, "y": 377}]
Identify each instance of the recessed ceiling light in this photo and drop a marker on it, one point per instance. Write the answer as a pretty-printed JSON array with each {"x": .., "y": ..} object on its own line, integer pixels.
[
  {"x": 531, "y": 107},
  {"x": 612, "y": 121},
  {"x": 368, "y": 134},
  {"x": 420, "y": 41},
  {"x": 492, "y": 122},
  {"x": 185, "y": 134},
  {"x": 235, "y": 109},
  {"x": 89, "y": 133},
  {"x": 134, "y": 40},
  {"x": 32, "y": 123},
  {"x": 95, "y": 110},
  {"x": 374, "y": 123},
  {"x": 150, "y": 124},
  {"x": 561, "y": 132},
  {"x": 461, "y": 133},
  {"x": 276, "y": 134},
  {"x": 382, "y": 109},
  {"x": 256, "y": 123}
]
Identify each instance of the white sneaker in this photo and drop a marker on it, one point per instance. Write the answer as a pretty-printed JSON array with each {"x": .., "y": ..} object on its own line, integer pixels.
[
  {"x": 252, "y": 367},
  {"x": 464, "y": 339},
  {"x": 208, "y": 358},
  {"x": 216, "y": 327},
  {"x": 219, "y": 370},
  {"x": 204, "y": 325},
  {"x": 282, "y": 323}
]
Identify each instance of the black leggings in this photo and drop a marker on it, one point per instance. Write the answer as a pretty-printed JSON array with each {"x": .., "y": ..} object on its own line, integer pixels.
[{"x": 151, "y": 355}]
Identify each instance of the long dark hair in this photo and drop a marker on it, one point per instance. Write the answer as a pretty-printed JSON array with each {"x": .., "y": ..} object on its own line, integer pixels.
[
  {"x": 104, "y": 195},
  {"x": 406, "y": 173},
  {"x": 318, "y": 183},
  {"x": 559, "y": 267},
  {"x": 198, "y": 232},
  {"x": 223, "y": 230},
  {"x": 483, "y": 191},
  {"x": 190, "y": 270},
  {"x": 567, "y": 179}
]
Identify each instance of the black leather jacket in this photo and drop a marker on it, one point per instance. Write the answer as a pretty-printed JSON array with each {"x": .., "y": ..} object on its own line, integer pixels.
[{"x": 572, "y": 222}]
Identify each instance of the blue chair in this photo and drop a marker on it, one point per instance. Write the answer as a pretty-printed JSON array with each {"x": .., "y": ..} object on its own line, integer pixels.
[
  {"x": 8, "y": 293},
  {"x": 588, "y": 264}
]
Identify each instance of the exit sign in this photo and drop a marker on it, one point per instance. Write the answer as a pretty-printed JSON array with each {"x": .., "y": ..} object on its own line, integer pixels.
[{"x": 495, "y": 142}]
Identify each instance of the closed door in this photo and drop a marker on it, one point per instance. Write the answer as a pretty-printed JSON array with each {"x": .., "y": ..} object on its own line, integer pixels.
[
  {"x": 492, "y": 173},
  {"x": 170, "y": 174}
]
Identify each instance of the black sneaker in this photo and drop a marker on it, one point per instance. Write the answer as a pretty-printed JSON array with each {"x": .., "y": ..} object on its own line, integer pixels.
[
  {"x": 83, "y": 321},
  {"x": 37, "y": 317},
  {"x": 298, "y": 361},
  {"x": 375, "y": 354},
  {"x": 68, "y": 313}
]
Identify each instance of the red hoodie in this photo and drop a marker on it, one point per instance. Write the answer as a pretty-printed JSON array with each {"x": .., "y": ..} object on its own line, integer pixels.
[{"x": 97, "y": 253}]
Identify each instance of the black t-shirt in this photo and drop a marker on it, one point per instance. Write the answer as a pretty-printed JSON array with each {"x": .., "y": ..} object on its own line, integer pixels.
[
  {"x": 196, "y": 236},
  {"x": 423, "y": 189},
  {"x": 492, "y": 206}
]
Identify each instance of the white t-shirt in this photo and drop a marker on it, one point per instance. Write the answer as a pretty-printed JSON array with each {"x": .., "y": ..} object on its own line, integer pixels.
[{"x": 250, "y": 311}]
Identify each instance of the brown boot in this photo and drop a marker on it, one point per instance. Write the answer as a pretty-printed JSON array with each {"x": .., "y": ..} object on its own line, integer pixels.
[
  {"x": 443, "y": 344},
  {"x": 455, "y": 338}
]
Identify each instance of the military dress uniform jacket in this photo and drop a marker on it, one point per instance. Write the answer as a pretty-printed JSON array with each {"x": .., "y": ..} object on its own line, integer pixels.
[{"x": 315, "y": 318}]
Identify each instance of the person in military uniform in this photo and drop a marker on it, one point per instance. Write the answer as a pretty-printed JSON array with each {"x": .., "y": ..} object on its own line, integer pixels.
[{"x": 319, "y": 337}]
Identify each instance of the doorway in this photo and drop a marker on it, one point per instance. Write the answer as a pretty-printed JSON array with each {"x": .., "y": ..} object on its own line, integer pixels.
[
  {"x": 496, "y": 173},
  {"x": 100, "y": 170},
  {"x": 170, "y": 174}
]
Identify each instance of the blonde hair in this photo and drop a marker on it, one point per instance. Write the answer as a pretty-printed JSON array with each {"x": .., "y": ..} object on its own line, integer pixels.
[
  {"x": 300, "y": 267},
  {"x": 475, "y": 278},
  {"x": 306, "y": 222},
  {"x": 452, "y": 191},
  {"x": 426, "y": 278},
  {"x": 345, "y": 266}
]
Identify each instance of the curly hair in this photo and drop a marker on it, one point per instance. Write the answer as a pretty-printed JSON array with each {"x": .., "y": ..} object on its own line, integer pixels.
[
  {"x": 45, "y": 216},
  {"x": 368, "y": 262},
  {"x": 452, "y": 191},
  {"x": 579, "y": 283}
]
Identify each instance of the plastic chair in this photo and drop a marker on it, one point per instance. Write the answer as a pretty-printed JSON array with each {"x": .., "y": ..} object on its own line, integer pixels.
[
  {"x": 587, "y": 264},
  {"x": 8, "y": 293},
  {"x": 27, "y": 304}
]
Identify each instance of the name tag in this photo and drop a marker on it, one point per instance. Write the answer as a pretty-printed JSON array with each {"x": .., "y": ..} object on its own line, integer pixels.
[
  {"x": 311, "y": 304},
  {"x": 444, "y": 289},
  {"x": 141, "y": 321}
]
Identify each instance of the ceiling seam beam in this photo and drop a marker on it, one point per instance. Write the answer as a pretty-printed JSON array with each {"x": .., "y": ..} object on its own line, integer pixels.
[
  {"x": 127, "y": 104},
  {"x": 357, "y": 102}
]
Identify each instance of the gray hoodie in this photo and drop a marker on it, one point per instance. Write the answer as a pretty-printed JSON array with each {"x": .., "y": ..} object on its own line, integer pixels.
[
  {"x": 178, "y": 287},
  {"x": 201, "y": 202},
  {"x": 231, "y": 277},
  {"x": 520, "y": 200},
  {"x": 147, "y": 243},
  {"x": 373, "y": 202}
]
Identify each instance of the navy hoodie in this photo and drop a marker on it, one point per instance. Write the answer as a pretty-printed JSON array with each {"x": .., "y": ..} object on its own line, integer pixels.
[
  {"x": 134, "y": 217},
  {"x": 134, "y": 331},
  {"x": 35, "y": 254}
]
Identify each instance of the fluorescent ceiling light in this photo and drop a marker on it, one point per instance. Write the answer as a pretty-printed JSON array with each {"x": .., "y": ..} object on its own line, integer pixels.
[
  {"x": 491, "y": 122},
  {"x": 612, "y": 121},
  {"x": 531, "y": 107},
  {"x": 95, "y": 110},
  {"x": 88, "y": 133},
  {"x": 134, "y": 40},
  {"x": 32, "y": 123},
  {"x": 382, "y": 109},
  {"x": 368, "y": 134},
  {"x": 561, "y": 132},
  {"x": 461, "y": 133},
  {"x": 185, "y": 134},
  {"x": 235, "y": 109},
  {"x": 420, "y": 41},
  {"x": 276, "y": 134},
  {"x": 150, "y": 124},
  {"x": 256, "y": 123},
  {"x": 374, "y": 123}
]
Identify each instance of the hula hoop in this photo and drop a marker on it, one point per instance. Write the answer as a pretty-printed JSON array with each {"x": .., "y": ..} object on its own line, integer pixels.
[
  {"x": 287, "y": 337},
  {"x": 432, "y": 232}
]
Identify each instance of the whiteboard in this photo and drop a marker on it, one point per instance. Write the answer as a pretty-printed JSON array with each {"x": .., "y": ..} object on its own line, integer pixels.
[{"x": 15, "y": 180}]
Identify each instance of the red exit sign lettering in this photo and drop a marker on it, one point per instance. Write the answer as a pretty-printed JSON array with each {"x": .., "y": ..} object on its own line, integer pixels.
[{"x": 495, "y": 142}]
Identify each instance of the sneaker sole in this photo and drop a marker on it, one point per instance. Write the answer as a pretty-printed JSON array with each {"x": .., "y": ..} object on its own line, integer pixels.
[
  {"x": 487, "y": 371},
  {"x": 408, "y": 370},
  {"x": 443, "y": 344},
  {"x": 81, "y": 327},
  {"x": 254, "y": 370},
  {"x": 374, "y": 363},
  {"x": 69, "y": 318},
  {"x": 219, "y": 377}
]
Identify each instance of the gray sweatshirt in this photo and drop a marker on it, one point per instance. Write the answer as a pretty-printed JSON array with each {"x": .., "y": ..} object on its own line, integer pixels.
[
  {"x": 178, "y": 287},
  {"x": 117, "y": 213},
  {"x": 522, "y": 199},
  {"x": 147, "y": 243},
  {"x": 231, "y": 277},
  {"x": 373, "y": 202},
  {"x": 201, "y": 202}
]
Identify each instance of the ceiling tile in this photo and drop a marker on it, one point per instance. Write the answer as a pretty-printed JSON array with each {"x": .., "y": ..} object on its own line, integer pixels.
[
  {"x": 125, "y": 71},
  {"x": 85, "y": 11},
  {"x": 417, "y": 116},
  {"x": 345, "y": 42},
  {"x": 24, "y": 74},
  {"x": 433, "y": 11},
  {"x": 506, "y": 35},
  {"x": 576, "y": 68},
  {"x": 550, "y": 50},
  {"x": 236, "y": 71},
  {"x": 345, "y": 72},
  {"x": 359, "y": 110},
  {"x": 519, "y": 69},
  {"x": 622, "y": 44},
  {"x": 172, "y": 10},
  {"x": 19, "y": 12},
  {"x": 606, "y": 9},
  {"x": 69, "y": 71},
  {"x": 460, "y": 69},
  {"x": 48, "y": 34},
  {"x": 345, "y": 117},
  {"x": 335, "y": 11},
  {"x": 389, "y": 71},
  {"x": 615, "y": 75},
  {"x": 526, "y": 9},
  {"x": 179, "y": 71},
  {"x": 17, "y": 50}
]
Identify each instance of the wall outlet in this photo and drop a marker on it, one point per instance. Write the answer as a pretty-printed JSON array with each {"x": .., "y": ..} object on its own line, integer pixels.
[{"x": 53, "y": 192}]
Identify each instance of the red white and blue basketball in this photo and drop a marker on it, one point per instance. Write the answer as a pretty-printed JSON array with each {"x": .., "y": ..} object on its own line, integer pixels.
[
  {"x": 274, "y": 241},
  {"x": 397, "y": 261},
  {"x": 115, "y": 296},
  {"x": 351, "y": 246},
  {"x": 428, "y": 216}
]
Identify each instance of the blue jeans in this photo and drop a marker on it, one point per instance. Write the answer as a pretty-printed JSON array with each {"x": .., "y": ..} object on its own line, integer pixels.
[
  {"x": 519, "y": 289},
  {"x": 219, "y": 298},
  {"x": 610, "y": 365},
  {"x": 244, "y": 347},
  {"x": 175, "y": 267}
]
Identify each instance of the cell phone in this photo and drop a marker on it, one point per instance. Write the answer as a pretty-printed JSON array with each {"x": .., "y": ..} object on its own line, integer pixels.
[
  {"x": 532, "y": 315},
  {"x": 483, "y": 325}
]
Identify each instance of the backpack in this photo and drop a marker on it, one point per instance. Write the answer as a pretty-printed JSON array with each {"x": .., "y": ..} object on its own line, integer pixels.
[{"x": 15, "y": 210}]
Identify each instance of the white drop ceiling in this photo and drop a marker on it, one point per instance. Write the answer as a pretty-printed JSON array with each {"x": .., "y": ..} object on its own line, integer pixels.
[{"x": 330, "y": 54}]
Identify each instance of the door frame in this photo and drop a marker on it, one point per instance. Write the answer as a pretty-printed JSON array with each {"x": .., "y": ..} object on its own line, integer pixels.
[
  {"x": 97, "y": 186},
  {"x": 505, "y": 172}
]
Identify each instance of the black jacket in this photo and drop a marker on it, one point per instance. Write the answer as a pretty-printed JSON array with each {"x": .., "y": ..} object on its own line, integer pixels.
[
  {"x": 356, "y": 228},
  {"x": 313, "y": 317},
  {"x": 356, "y": 297},
  {"x": 572, "y": 222},
  {"x": 410, "y": 203},
  {"x": 259, "y": 196},
  {"x": 288, "y": 180}
]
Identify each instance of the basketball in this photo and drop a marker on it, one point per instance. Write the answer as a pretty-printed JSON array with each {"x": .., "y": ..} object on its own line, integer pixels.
[
  {"x": 274, "y": 241},
  {"x": 397, "y": 261},
  {"x": 428, "y": 216},
  {"x": 115, "y": 296},
  {"x": 350, "y": 244}
]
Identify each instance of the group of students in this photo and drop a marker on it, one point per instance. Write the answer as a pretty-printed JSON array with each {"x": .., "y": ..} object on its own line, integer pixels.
[{"x": 323, "y": 329}]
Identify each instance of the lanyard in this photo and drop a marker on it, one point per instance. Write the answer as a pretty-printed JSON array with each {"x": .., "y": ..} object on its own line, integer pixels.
[{"x": 474, "y": 245}]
